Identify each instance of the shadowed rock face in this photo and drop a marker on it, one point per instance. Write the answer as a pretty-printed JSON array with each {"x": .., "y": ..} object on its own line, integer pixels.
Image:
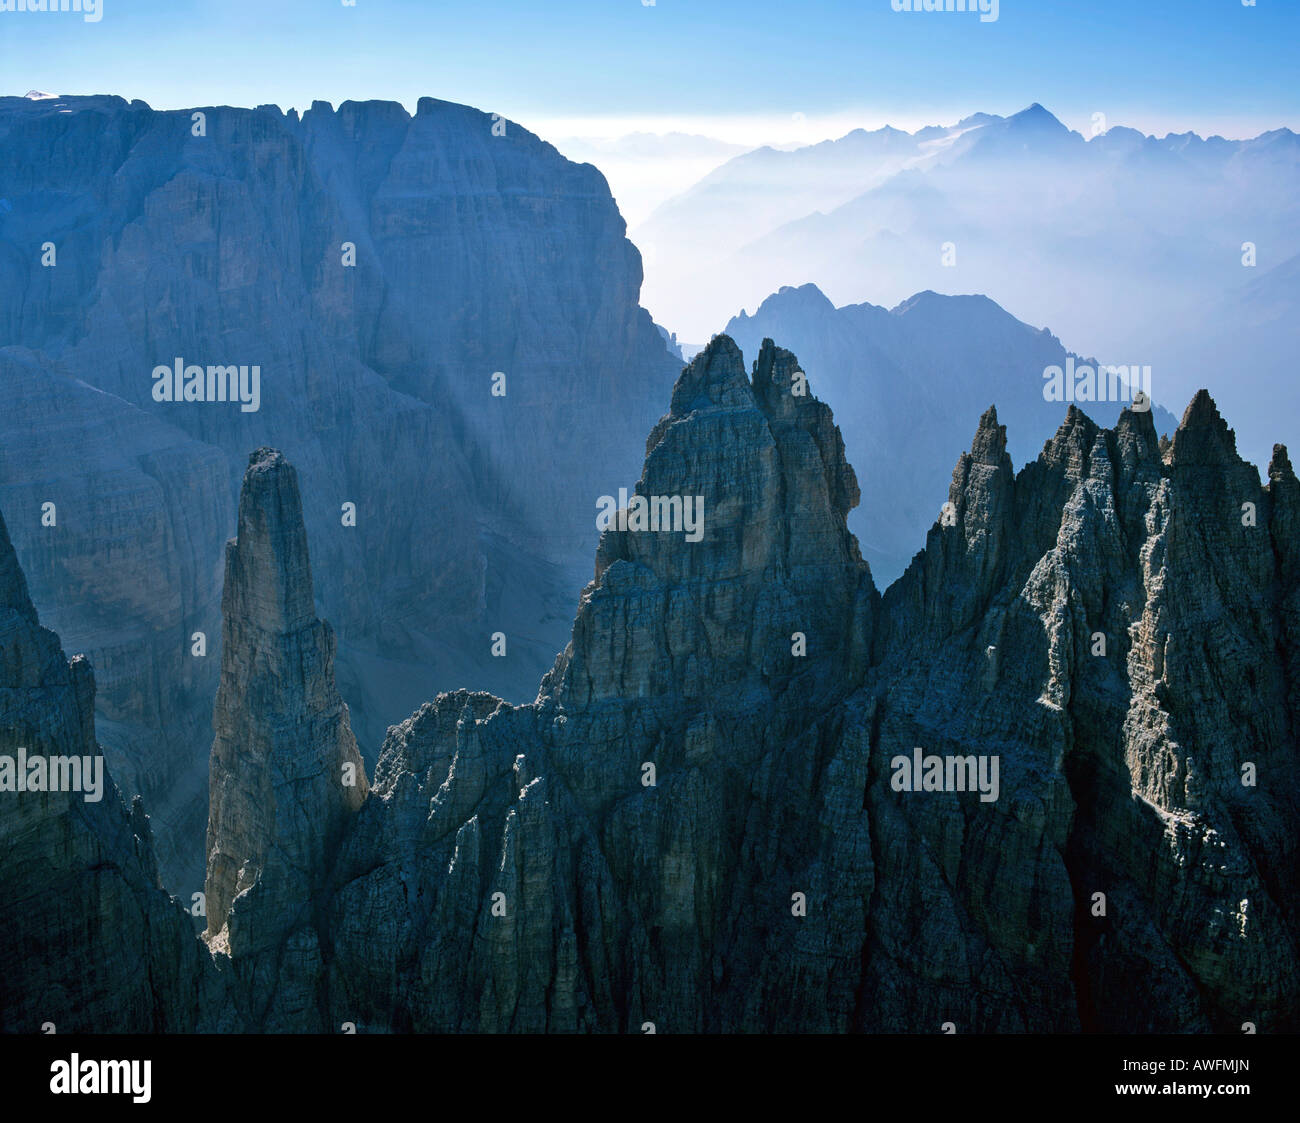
[
  {"x": 1108, "y": 620},
  {"x": 285, "y": 771},
  {"x": 129, "y": 571},
  {"x": 471, "y": 252},
  {"x": 700, "y": 822},
  {"x": 89, "y": 941}
]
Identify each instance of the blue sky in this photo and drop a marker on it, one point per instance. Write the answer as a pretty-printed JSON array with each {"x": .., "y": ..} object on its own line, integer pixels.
[{"x": 1164, "y": 65}]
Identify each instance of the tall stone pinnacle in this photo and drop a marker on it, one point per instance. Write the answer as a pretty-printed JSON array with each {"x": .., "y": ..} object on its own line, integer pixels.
[
  {"x": 762, "y": 462},
  {"x": 285, "y": 772}
]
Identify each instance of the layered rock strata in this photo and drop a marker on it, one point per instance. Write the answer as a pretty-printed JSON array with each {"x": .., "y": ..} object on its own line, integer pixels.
[{"x": 378, "y": 269}]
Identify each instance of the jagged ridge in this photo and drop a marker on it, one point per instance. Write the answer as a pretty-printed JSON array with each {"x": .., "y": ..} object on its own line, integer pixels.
[{"x": 1116, "y": 623}]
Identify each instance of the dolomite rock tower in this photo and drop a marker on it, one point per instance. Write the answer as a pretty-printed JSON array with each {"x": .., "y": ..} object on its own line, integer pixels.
[{"x": 286, "y": 774}]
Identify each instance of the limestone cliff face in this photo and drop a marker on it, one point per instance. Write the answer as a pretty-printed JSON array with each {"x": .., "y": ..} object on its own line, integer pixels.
[
  {"x": 285, "y": 771},
  {"x": 89, "y": 940},
  {"x": 699, "y": 822},
  {"x": 765, "y": 468},
  {"x": 598, "y": 859},
  {"x": 126, "y": 567},
  {"x": 379, "y": 268}
]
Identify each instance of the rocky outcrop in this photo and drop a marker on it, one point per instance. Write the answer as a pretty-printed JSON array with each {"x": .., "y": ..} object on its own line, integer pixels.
[
  {"x": 699, "y": 823},
  {"x": 1108, "y": 622},
  {"x": 286, "y": 775},
  {"x": 590, "y": 861},
  {"x": 89, "y": 940}
]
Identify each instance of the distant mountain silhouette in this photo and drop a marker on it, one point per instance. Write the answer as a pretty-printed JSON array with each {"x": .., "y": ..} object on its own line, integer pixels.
[
  {"x": 907, "y": 385},
  {"x": 1127, "y": 245}
]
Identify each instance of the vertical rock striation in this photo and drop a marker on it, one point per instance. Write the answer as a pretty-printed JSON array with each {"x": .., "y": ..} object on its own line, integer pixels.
[
  {"x": 1112, "y": 623},
  {"x": 286, "y": 774},
  {"x": 704, "y": 821},
  {"x": 378, "y": 268},
  {"x": 89, "y": 940}
]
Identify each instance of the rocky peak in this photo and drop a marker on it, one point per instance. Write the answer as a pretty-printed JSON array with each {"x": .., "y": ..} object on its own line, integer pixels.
[
  {"x": 783, "y": 391},
  {"x": 285, "y": 771},
  {"x": 1068, "y": 451},
  {"x": 990, "y": 443},
  {"x": 1136, "y": 440},
  {"x": 270, "y": 586},
  {"x": 761, "y": 465},
  {"x": 26, "y": 649},
  {"x": 970, "y": 531},
  {"x": 715, "y": 377},
  {"x": 1279, "y": 465},
  {"x": 699, "y": 826},
  {"x": 1284, "y": 491},
  {"x": 1203, "y": 438}
]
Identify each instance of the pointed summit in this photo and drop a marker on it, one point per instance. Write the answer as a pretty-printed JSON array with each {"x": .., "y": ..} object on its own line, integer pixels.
[
  {"x": 285, "y": 772},
  {"x": 1203, "y": 437},
  {"x": 1072, "y": 443},
  {"x": 759, "y": 473},
  {"x": 1279, "y": 465},
  {"x": 1201, "y": 412},
  {"x": 1135, "y": 434},
  {"x": 775, "y": 371},
  {"x": 270, "y": 583},
  {"x": 715, "y": 377},
  {"x": 990, "y": 443},
  {"x": 1035, "y": 116},
  {"x": 15, "y": 602},
  {"x": 1031, "y": 131}
]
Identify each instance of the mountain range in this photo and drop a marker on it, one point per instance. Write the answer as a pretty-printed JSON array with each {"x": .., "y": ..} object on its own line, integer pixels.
[
  {"x": 399, "y": 736},
  {"x": 908, "y": 386},
  {"x": 707, "y": 819},
  {"x": 1135, "y": 248}
]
